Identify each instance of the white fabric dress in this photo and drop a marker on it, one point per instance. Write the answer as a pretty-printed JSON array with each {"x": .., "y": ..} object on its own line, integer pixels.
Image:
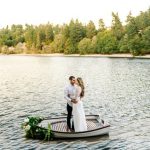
[{"x": 78, "y": 113}]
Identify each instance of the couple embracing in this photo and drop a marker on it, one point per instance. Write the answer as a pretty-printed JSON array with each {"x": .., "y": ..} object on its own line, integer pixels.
[{"x": 74, "y": 93}]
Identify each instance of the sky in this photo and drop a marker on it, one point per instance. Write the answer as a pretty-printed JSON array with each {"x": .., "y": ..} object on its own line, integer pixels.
[{"x": 62, "y": 11}]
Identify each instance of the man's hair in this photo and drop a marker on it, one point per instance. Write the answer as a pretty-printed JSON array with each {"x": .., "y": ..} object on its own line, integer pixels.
[{"x": 71, "y": 77}]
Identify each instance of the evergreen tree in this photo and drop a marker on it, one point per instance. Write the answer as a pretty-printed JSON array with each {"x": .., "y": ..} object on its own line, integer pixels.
[
  {"x": 90, "y": 30},
  {"x": 117, "y": 28},
  {"x": 102, "y": 26}
]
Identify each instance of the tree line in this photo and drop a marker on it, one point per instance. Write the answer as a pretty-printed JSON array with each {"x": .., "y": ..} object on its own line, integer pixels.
[{"x": 75, "y": 37}]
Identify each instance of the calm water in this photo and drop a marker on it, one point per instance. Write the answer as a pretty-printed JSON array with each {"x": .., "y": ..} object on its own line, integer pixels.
[{"x": 118, "y": 89}]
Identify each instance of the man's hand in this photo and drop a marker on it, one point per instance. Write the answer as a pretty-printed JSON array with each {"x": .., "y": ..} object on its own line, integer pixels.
[{"x": 74, "y": 101}]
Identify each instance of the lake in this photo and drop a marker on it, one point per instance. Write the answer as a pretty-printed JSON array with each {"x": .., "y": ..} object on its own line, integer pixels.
[{"x": 116, "y": 88}]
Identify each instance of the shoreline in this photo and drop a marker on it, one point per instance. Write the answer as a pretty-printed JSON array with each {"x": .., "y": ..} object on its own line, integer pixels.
[{"x": 78, "y": 55}]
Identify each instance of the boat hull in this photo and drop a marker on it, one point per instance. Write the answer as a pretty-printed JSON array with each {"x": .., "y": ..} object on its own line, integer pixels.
[{"x": 98, "y": 130}]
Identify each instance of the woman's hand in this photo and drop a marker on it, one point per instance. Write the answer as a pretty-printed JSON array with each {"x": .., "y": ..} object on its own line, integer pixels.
[{"x": 74, "y": 101}]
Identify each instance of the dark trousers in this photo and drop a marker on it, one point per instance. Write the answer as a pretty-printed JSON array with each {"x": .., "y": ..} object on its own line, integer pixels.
[{"x": 69, "y": 110}]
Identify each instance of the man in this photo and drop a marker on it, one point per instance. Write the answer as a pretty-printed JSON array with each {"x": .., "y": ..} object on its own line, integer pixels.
[{"x": 70, "y": 92}]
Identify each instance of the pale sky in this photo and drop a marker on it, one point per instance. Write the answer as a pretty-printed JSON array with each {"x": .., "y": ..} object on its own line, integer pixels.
[{"x": 62, "y": 11}]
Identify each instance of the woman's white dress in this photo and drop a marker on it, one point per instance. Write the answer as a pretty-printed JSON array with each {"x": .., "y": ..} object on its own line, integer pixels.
[{"x": 78, "y": 113}]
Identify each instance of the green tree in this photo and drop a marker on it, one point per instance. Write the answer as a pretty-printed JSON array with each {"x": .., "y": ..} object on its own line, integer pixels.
[
  {"x": 17, "y": 33},
  {"x": 6, "y": 37},
  {"x": 93, "y": 44},
  {"x": 59, "y": 43},
  {"x": 65, "y": 31},
  {"x": 137, "y": 29},
  {"x": 135, "y": 45},
  {"x": 123, "y": 44},
  {"x": 106, "y": 42},
  {"x": 76, "y": 33},
  {"x": 90, "y": 30},
  {"x": 146, "y": 40},
  {"x": 56, "y": 29},
  {"x": 49, "y": 34},
  {"x": 131, "y": 27},
  {"x": 30, "y": 36},
  {"x": 69, "y": 47},
  {"x": 84, "y": 46},
  {"x": 102, "y": 26},
  {"x": 41, "y": 37},
  {"x": 117, "y": 28}
]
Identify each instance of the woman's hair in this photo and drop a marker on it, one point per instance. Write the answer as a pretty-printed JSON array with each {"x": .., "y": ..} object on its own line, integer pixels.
[{"x": 81, "y": 84}]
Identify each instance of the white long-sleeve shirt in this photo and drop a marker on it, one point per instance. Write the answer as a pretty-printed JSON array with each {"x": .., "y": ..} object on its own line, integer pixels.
[{"x": 70, "y": 92}]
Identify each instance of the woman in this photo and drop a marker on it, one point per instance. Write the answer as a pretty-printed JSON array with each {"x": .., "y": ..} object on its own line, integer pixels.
[{"x": 78, "y": 110}]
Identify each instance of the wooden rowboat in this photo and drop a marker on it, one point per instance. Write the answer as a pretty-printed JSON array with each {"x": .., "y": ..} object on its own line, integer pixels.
[{"x": 96, "y": 127}]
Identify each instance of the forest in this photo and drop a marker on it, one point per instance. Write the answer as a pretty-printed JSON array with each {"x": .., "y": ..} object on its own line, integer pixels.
[{"x": 77, "y": 38}]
